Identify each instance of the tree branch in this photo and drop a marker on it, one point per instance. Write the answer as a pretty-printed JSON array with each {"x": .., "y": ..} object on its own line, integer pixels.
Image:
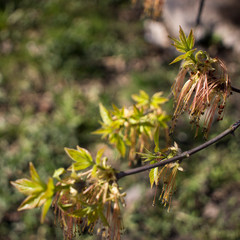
[
  {"x": 235, "y": 89},
  {"x": 183, "y": 155},
  {"x": 199, "y": 13}
]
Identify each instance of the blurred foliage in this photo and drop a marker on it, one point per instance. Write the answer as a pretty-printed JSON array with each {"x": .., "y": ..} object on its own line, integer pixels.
[{"x": 58, "y": 60}]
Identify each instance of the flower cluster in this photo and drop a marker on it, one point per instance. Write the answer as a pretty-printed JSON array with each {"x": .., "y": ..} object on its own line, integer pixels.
[
  {"x": 87, "y": 195},
  {"x": 166, "y": 174},
  {"x": 207, "y": 87}
]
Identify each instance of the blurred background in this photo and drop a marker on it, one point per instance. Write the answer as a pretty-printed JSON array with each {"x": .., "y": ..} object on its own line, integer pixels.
[{"x": 59, "y": 59}]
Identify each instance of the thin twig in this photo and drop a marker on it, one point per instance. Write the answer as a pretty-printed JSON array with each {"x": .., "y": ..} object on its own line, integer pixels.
[
  {"x": 199, "y": 13},
  {"x": 235, "y": 89},
  {"x": 183, "y": 155}
]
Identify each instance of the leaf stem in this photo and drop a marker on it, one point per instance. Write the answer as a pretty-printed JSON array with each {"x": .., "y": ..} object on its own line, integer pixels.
[{"x": 183, "y": 155}]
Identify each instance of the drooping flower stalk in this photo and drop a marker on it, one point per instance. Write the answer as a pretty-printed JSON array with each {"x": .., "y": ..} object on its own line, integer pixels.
[
  {"x": 165, "y": 175},
  {"x": 207, "y": 86}
]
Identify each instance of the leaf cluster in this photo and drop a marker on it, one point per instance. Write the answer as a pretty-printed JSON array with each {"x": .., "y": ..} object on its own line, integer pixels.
[
  {"x": 133, "y": 127},
  {"x": 184, "y": 45},
  {"x": 38, "y": 193},
  {"x": 84, "y": 194}
]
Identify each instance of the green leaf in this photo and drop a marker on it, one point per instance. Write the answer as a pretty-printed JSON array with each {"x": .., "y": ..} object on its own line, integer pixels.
[
  {"x": 179, "y": 58},
  {"x": 184, "y": 44},
  {"x": 105, "y": 115},
  {"x": 153, "y": 176},
  {"x": 50, "y": 188},
  {"x": 116, "y": 124},
  {"x": 187, "y": 63},
  {"x": 103, "y": 131},
  {"x": 118, "y": 112},
  {"x": 156, "y": 99},
  {"x": 149, "y": 156},
  {"x": 83, "y": 212},
  {"x": 183, "y": 56},
  {"x": 191, "y": 40},
  {"x": 178, "y": 45},
  {"x": 176, "y": 42},
  {"x": 29, "y": 203},
  {"x": 34, "y": 175},
  {"x": 81, "y": 156},
  {"x": 94, "y": 170},
  {"x": 136, "y": 112},
  {"x": 33, "y": 201},
  {"x": 142, "y": 99},
  {"x": 58, "y": 172},
  {"x": 79, "y": 166},
  {"x": 45, "y": 209},
  {"x": 121, "y": 147},
  {"x": 148, "y": 131},
  {"x": 85, "y": 153},
  {"x": 183, "y": 38},
  {"x": 65, "y": 207},
  {"x": 103, "y": 218},
  {"x": 156, "y": 139},
  {"x": 27, "y": 186},
  {"x": 115, "y": 108},
  {"x": 163, "y": 119},
  {"x": 99, "y": 155},
  {"x": 117, "y": 140}
]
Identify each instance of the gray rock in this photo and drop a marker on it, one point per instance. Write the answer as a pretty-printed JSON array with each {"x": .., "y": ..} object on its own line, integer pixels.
[
  {"x": 220, "y": 18},
  {"x": 156, "y": 33}
]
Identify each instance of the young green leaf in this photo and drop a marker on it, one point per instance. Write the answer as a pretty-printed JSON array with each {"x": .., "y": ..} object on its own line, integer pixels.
[
  {"x": 82, "y": 158},
  {"x": 30, "y": 202},
  {"x": 77, "y": 166},
  {"x": 183, "y": 39},
  {"x": 45, "y": 209},
  {"x": 183, "y": 56},
  {"x": 99, "y": 155},
  {"x": 163, "y": 119},
  {"x": 50, "y": 188},
  {"x": 178, "y": 45},
  {"x": 85, "y": 153},
  {"x": 83, "y": 212},
  {"x": 141, "y": 99},
  {"x": 102, "y": 217},
  {"x": 27, "y": 186},
  {"x": 105, "y": 115},
  {"x": 58, "y": 172},
  {"x": 34, "y": 175},
  {"x": 103, "y": 131},
  {"x": 156, "y": 139},
  {"x": 153, "y": 176},
  {"x": 191, "y": 40},
  {"x": 94, "y": 170},
  {"x": 48, "y": 194},
  {"x": 121, "y": 146},
  {"x": 177, "y": 59},
  {"x": 157, "y": 100}
]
